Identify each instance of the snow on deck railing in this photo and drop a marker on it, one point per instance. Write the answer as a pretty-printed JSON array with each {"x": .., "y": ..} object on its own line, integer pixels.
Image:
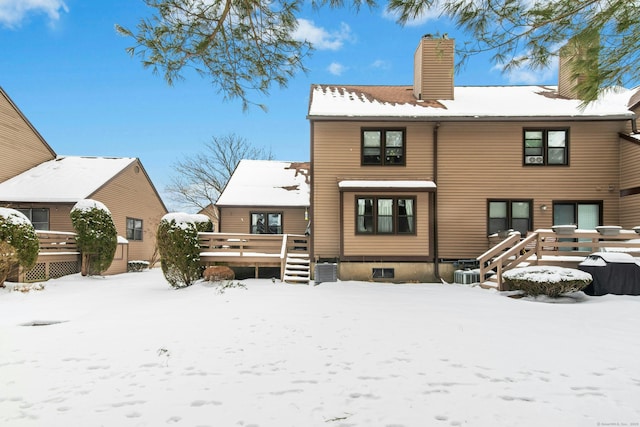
[
  {"x": 545, "y": 246},
  {"x": 56, "y": 241}
]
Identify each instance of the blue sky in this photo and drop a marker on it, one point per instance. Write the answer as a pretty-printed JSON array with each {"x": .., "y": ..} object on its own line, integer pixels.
[{"x": 66, "y": 68}]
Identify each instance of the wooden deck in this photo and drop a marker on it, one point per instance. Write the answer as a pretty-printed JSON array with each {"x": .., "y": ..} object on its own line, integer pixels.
[
  {"x": 58, "y": 256},
  {"x": 251, "y": 250},
  {"x": 546, "y": 247}
]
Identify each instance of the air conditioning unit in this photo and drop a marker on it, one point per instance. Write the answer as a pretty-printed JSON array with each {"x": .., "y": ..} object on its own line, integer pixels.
[
  {"x": 466, "y": 277},
  {"x": 533, "y": 160},
  {"x": 325, "y": 273}
]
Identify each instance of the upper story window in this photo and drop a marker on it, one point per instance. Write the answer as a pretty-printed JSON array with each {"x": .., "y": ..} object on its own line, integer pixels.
[
  {"x": 385, "y": 215},
  {"x": 546, "y": 147},
  {"x": 266, "y": 223},
  {"x": 134, "y": 229},
  {"x": 39, "y": 217},
  {"x": 383, "y": 146}
]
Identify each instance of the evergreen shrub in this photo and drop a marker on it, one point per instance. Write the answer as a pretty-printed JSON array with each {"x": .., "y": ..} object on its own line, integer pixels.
[
  {"x": 19, "y": 242},
  {"x": 551, "y": 281},
  {"x": 97, "y": 237},
  {"x": 177, "y": 240}
]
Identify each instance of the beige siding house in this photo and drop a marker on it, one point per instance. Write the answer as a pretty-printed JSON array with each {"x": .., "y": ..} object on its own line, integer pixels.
[
  {"x": 45, "y": 187},
  {"x": 408, "y": 180},
  {"x": 21, "y": 145},
  {"x": 265, "y": 197}
]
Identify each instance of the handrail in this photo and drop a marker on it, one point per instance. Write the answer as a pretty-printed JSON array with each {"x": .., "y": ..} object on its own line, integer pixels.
[
  {"x": 487, "y": 261},
  {"x": 247, "y": 245},
  {"x": 283, "y": 248},
  {"x": 512, "y": 251}
]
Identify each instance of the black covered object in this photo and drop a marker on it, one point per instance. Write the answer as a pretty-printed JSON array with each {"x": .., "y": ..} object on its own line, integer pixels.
[{"x": 613, "y": 273}]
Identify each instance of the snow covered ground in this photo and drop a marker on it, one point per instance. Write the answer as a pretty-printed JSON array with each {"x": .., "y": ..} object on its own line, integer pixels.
[{"x": 131, "y": 351}]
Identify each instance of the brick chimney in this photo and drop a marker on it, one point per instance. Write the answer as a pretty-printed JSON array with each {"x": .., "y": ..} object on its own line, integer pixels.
[
  {"x": 433, "y": 68},
  {"x": 569, "y": 53}
]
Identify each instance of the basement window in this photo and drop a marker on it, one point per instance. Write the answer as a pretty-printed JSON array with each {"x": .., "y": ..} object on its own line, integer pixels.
[{"x": 383, "y": 273}]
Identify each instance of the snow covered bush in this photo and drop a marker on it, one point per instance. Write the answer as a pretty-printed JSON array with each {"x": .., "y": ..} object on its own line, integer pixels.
[
  {"x": 179, "y": 249},
  {"x": 203, "y": 223},
  {"x": 137, "y": 265},
  {"x": 18, "y": 242},
  {"x": 97, "y": 237},
  {"x": 551, "y": 281}
]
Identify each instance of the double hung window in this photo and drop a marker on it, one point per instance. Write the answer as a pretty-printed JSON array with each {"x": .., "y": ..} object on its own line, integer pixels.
[
  {"x": 266, "y": 223},
  {"x": 134, "y": 229},
  {"x": 510, "y": 215},
  {"x": 39, "y": 217},
  {"x": 383, "y": 147},
  {"x": 385, "y": 215},
  {"x": 546, "y": 147}
]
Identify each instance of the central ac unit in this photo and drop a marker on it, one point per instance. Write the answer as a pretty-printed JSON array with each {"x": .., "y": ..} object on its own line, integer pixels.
[{"x": 533, "y": 160}]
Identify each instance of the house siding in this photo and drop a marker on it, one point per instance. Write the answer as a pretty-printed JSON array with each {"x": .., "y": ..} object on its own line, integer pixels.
[
  {"x": 484, "y": 161},
  {"x": 477, "y": 161},
  {"x": 238, "y": 219},
  {"x": 383, "y": 246},
  {"x": 629, "y": 184},
  {"x": 59, "y": 213},
  {"x": 21, "y": 147},
  {"x": 336, "y": 155},
  {"x": 130, "y": 194}
]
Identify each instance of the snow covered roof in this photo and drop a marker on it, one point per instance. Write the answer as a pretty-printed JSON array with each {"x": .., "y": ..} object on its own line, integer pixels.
[
  {"x": 67, "y": 179},
  {"x": 470, "y": 103},
  {"x": 267, "y": 183}
]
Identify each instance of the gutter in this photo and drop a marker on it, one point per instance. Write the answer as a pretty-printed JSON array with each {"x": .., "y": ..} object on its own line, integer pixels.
[
  {"x": 613, "y": 117},
  {"x": 436, "y": 269}
]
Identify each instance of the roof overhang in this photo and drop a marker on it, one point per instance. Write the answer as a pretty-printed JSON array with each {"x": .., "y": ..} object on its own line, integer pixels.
[
  {"x": 386, "y": 185},
  {"x": 615, "y": 117}
]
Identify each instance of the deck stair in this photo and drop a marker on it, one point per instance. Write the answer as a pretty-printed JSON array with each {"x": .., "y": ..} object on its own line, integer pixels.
[
  {"x": 550, "y": 247},
  {"x": 297, "y": 269}
]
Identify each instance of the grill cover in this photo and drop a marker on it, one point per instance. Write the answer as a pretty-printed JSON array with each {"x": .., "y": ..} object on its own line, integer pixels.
[{"x": 613, "y": 273}]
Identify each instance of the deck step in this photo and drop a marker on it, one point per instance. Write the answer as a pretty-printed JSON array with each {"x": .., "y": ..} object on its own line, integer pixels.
[
  {"x": 297, "y": 260},
  {"x": 297, "y": 269},
  {"x": 301, "y": 273}
]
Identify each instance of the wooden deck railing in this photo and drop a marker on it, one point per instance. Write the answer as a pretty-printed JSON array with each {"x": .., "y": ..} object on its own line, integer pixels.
[
  {"x": 57, "y": 242},
  {"x": 546, "y": 247},
  {"x": 58, "y": 256},
  {"x": 258, "y": 250}
]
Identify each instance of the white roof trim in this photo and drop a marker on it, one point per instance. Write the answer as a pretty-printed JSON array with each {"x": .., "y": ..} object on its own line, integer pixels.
[{"x": 392, "y": 184}]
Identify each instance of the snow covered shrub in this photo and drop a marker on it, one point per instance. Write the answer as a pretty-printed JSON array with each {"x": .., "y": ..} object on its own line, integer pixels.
[
  {"x": 18, "y": 242},
  {"x": 546, "y": 280},
  {"x": 137, "y": 265},
  {"x": 97, "y": 237},
  {"x": 203, "y": 223},
  {"x": 179, "y": 249}
]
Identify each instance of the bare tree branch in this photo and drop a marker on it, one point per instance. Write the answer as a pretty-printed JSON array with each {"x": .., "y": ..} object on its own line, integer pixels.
[{"x": 199, "y": 180}]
